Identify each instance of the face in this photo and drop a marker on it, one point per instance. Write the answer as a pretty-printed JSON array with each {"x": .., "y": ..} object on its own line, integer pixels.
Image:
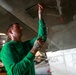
[{"x": 16, "y": 30}]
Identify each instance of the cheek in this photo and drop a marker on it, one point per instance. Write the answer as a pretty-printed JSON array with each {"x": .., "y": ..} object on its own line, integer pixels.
[{"x": 14, "y": 32}]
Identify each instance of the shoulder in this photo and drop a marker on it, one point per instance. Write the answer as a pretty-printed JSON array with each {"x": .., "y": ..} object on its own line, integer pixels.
[{"x": 7, "y": 45}]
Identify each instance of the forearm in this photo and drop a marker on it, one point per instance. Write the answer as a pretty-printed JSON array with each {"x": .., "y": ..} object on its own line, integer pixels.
[
  {"x": 40, "y": 11},
  {"x": 21, "y": 67},
  {"x": 15, "y": 65},
  {"x": 39, "y": 15},
  {"x": 42, "y": 30}
]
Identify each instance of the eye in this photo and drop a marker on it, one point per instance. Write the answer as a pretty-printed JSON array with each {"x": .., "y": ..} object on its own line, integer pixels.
[{"x": 18, "y": 27}]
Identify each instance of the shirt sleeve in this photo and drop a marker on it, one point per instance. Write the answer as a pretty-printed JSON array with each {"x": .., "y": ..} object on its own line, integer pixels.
[
  {"x": 41, "y": 31},
  {"x": 13, "y": 65}
]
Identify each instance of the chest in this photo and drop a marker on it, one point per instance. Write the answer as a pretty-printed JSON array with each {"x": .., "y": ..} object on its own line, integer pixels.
[{"x": 22, "y": 49}]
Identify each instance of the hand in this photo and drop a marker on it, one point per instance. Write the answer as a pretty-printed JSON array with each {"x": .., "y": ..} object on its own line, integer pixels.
[
  {"x": 39, "y": 11},
  {"x": 37, "y": 45},
  {"x": 39, "y": 8}
]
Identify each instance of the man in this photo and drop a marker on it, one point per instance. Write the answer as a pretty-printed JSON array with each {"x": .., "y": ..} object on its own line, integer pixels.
[{"x": 18, "y": 57}]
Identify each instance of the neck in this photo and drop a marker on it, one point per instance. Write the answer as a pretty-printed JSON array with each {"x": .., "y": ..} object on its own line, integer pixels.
[{"x": 16, "y": 39}]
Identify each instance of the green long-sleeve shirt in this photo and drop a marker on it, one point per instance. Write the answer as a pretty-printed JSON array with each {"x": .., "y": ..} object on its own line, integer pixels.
[{"x": 16, "y": 56}]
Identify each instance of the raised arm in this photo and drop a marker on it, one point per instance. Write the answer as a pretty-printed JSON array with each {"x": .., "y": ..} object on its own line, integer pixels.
[{"x": 41, "y": 26}]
